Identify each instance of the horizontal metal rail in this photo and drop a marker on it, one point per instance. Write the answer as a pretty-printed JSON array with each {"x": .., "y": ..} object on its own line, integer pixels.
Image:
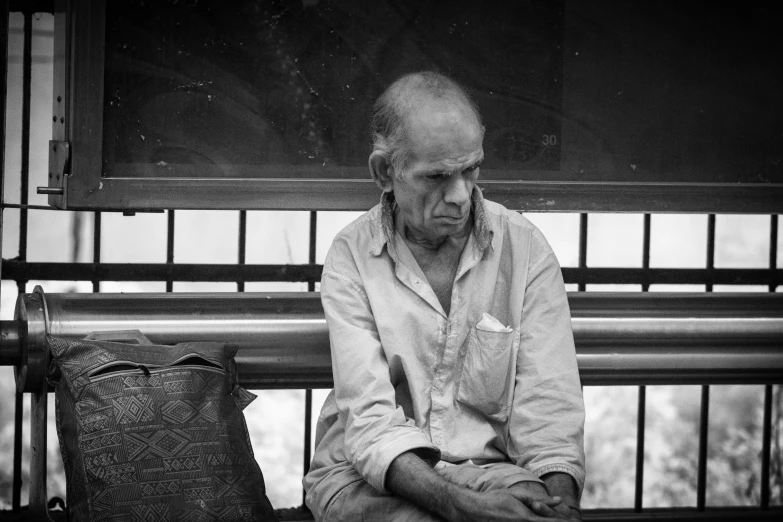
[
  {"x": 621, "y": 338},
  {"x": 18, "y": 270}
]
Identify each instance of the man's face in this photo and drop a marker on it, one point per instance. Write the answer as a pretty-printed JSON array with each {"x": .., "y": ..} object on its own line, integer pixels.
[{"x": 434, "y": 194}]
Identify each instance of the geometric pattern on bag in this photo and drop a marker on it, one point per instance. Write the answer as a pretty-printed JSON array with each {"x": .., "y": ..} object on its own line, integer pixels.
[{"x": 154, "y": 433}]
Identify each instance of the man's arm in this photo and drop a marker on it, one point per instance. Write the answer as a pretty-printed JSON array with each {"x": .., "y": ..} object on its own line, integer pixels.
[
  {"x": 546, "y": 425},
  {"x": 411, "y": 478},
  {"x": 376, "y": 428}
]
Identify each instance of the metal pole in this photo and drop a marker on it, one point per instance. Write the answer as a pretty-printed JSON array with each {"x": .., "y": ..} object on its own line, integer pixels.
[
  {"x": 641, "y": 410},
  {"x": 170, "y": 247},
  {"x": 701, "y": 474},
  {"x": 582, "y": 250},
  {"x": 766, "y": 434},
  {"x": 242, "y": 247},
  {"x": 308, "y": 413}
]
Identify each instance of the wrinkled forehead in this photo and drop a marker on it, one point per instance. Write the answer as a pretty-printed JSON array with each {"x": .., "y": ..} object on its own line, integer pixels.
[{"x": 445, "y": 133}]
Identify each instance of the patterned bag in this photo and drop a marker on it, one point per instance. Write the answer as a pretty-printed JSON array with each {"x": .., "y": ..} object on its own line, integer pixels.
[{"x": 154, "y": 433}]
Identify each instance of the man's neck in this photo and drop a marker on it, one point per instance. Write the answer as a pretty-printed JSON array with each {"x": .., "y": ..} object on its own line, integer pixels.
[{"x": 434, "y": 245}]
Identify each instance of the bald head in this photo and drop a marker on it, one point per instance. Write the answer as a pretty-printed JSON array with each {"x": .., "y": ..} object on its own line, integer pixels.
[{"x": 396, "y": 110}]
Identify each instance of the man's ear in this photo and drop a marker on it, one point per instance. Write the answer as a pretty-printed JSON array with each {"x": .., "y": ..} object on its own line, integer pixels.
[{"x": 381, "y": 171}]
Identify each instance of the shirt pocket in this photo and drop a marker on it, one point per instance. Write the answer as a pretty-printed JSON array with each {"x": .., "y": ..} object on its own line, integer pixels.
[{"x": 487, "y": 377}]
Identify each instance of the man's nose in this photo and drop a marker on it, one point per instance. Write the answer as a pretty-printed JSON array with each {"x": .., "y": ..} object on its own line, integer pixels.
[{"x": 457, "y": 191}]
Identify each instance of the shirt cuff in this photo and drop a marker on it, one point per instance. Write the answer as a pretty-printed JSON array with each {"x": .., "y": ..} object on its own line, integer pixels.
[
  {"x": 377, "y": 466},
  {"x": 577, "y": 475}
]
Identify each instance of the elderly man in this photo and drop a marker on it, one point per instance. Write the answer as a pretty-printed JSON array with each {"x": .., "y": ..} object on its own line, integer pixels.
[{"x": 456, "y": 393}]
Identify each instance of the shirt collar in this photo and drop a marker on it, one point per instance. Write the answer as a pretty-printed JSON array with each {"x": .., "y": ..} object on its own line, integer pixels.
[{"x": 384, "y": 232}]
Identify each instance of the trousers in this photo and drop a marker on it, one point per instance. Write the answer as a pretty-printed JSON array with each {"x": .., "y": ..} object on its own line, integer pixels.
[{"x": 360, "y": 502}]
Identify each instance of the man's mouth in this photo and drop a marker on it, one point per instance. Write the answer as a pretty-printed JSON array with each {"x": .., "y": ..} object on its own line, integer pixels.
[{"x": 453, "y": 219}]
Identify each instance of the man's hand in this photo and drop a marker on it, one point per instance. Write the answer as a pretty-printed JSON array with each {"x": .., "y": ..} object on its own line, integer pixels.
[
  {"x": 518, "y": 503},
  {"x": 563, "y": 486},
  {"x": 411, "y": 478}
]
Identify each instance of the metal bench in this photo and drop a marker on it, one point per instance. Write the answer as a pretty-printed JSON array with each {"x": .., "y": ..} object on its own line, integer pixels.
[{"x": 621, "y": 339}]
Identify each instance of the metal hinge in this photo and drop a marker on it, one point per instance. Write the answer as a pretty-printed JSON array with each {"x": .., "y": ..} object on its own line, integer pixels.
[{"x": 59, "y": 170}]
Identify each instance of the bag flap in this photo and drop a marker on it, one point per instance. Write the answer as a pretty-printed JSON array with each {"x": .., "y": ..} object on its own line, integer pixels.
[{"x": 75, "y": 360}]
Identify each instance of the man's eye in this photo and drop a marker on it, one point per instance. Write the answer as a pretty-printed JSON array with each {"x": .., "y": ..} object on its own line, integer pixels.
[{"x": 438, "y": 176}]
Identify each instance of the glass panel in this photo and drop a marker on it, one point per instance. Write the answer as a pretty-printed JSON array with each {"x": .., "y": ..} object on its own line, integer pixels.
[
  {"x": 678, "y": 241},
  {"x": 776, "y": 458},
  {"x": 54, "y": 236},
  {"x": 189, "y": 286},
  {"x": 275, "y": 287},
  {"x": 206, "y": 236},
  {"x": 221, "y": 90},
  {"x": 734, "y": 445},
  {"x": 132, "y": 286},
  {"x": 677, "y": 288},
  {"x": 615, "y": 240},
  {"x": 11, "y": 225},
  {"x": 613, "y": 288},
  {"x": 610, "y": 446},
  {"x": 671, "y": 446},
  {"x": 740, "y": 288},
  {"x": 133, "y": 239},
  {"x": 277, "y": 237},
  {"x": 275, "y": 421},
  {"x": 7, "y": 412},
  {"x": 741, "y": 241}
]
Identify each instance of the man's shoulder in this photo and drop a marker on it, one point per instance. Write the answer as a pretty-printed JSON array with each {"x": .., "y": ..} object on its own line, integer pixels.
[
  {"x": 516, "y": 230},
  {"x": 500, "y": 215},
  {"x": 357, "y": 236},
  {"x": 361, "y": 228}
]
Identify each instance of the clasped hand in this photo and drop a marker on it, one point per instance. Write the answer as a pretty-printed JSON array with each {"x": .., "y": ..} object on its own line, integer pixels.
[{"x": 527, "y": 501}]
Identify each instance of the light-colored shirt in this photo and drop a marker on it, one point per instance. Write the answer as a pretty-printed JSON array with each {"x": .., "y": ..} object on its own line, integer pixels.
[{"x": 409, "y": 376}]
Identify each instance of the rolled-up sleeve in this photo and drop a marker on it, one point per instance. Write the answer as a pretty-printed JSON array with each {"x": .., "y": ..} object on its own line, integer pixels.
[
  {"x": 546, "y": 430},
  {"x": 376, "y": 428}
]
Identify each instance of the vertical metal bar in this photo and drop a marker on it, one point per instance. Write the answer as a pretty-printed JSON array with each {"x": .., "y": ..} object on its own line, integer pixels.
[
  {"x": 23, "y": 200},
  {"x": 641, "y": 409},
  {"x": 701, "y": 478},
  {"x": 96, "y": 248},
  {"x": 710, "y": 250},
  {"x": 170, "y": 247},
  {"x": 646, "y": 251},
  {"x": 766, "y": 434},
  {"x": 16, "y": 481},
  {"x": 308, "y": 413},
  {"x": 641, "y": 413},
  {"x": 582, "y": 250},
  {"x": 25, "y": 159},
  {"x": 766, "y": 447},
  {"x": 773, "y": 246},
  {"x": 242, "y": 245}
]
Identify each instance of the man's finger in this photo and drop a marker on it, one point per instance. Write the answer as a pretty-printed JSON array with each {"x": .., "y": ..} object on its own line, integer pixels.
[
  {"x": 539, "y": 508},
  {"x": 528, "y": 498}
]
